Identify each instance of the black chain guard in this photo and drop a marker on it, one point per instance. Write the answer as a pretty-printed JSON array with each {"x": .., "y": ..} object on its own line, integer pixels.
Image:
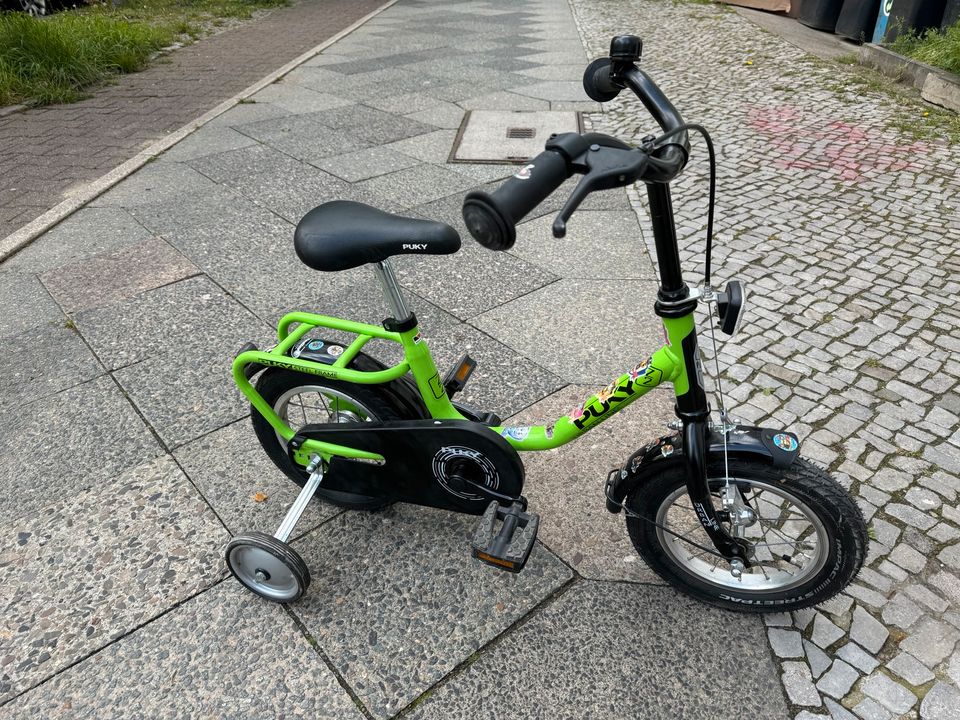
[{"x": 426, "y": 462}]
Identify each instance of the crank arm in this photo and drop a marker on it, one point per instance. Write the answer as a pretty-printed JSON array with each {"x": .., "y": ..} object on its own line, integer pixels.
[
  {"x": 494, "y": 495},
  {"x": 695, "y": 455}
]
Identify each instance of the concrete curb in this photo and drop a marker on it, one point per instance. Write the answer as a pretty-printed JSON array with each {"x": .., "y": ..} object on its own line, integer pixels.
[
  {"x": 11, "y": 109},
  {"x": 935, "y": 85},
  {"x": 31, "y": 231}
]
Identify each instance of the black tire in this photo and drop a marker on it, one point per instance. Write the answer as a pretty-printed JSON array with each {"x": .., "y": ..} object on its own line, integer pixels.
[
  {"x": 273, "y": 384},
  {"x": 839, "y": 516},
  {"x": 238, "y": 557}
]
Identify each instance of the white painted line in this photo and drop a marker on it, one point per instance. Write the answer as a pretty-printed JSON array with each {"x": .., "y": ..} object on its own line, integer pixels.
[{"x": 31, "y": 231}]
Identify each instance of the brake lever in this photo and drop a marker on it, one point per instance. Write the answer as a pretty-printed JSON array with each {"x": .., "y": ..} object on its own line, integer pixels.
[
  {"x": 603, "y": 168},
  {"x": 573, "y": 202}
]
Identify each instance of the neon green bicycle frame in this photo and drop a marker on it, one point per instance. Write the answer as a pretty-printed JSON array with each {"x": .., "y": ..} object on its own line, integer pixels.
[{"x": 666, "y": 365}]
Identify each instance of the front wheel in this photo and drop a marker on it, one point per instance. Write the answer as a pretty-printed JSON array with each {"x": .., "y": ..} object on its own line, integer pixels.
[{"x": 807, "y": 536}]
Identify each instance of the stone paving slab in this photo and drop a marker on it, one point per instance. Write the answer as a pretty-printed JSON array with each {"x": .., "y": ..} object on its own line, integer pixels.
[
  {"x": 155, "y": 183},
  {"x": 397, "y": 602},
  {"x": 585, "y": 331},
  {"x": 278, "y": 182},
  {"x": 24, "y": 303},
  {"x": 230, "y": 468},
  {"x": 66, "y": 443},
  {"x": 365, "y": 164},
  {"x": 117, "y": 275},
  {"x": 221, "y": 139},
  {"x": 598, "y": 245},
  {"x": 306, "y": 137},
  {"x": 90, "y": 231},
  {"x": 186, "y": 396},
  {"x": 209, "y": 657},
  {"x": 614, "y": 651},
  {"x": 193, "y": 315},
  {"x": 565, "y": 486},
  {"x": 83, "y": 571},
  {"x": 29, "y": 373}
]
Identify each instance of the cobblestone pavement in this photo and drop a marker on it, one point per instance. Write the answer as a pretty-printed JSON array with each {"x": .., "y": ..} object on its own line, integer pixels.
[
  {"x": 120, "y": 324},
  {"x": 847, "y": 229},
  {"x": 47, "y": 152}
]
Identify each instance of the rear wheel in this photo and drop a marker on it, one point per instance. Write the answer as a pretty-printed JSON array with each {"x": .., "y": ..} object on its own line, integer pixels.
[
  {"x": 807, "y": 536},
  {"x": 302, "y": 399}
]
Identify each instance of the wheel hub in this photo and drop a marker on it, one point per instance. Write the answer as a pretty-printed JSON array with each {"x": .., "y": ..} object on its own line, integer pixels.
[{"x": 256, "y": 567}]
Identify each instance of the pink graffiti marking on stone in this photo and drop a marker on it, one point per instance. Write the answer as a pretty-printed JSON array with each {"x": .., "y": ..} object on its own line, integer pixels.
[{"x": 806, "y": 142}]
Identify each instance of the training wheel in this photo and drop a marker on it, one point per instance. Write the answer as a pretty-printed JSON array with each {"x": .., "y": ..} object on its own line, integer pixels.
[{"x": 267, "y": 566}]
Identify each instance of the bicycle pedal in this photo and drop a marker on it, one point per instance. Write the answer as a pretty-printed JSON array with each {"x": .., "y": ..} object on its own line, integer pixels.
[
  {"x": 505, "y": 536},
  {"x": 458, "y": 376}
]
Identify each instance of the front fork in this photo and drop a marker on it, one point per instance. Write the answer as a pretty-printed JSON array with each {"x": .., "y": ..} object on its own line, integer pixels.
[
  {"x": 694, "y": 412},
  {"x": 695, "y": 453}
]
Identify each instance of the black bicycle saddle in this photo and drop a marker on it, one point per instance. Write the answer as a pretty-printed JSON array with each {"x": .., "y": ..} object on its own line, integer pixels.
[{"x": 342, "y": 234}]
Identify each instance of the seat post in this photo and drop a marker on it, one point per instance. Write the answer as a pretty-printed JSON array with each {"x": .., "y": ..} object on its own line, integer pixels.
[{"x": 391, "y": 290}]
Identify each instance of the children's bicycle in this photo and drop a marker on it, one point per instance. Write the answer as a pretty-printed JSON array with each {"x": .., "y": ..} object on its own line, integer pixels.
[{"x": 728, "y": 513}]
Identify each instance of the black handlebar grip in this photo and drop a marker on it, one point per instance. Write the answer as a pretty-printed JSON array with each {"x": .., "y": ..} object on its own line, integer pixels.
[
  {"x": 492, "y": 219},
  {"x": 597, "y": 83}
]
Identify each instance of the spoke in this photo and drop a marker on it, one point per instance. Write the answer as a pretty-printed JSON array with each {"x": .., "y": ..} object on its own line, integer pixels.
[
  {"x": 782, "y": 518},
  {"x": 785, "y": 537},
  {"x": 325, "y": 401},
  {"x": 696, "y": 554},
  {"x": 677, "y": 536},
  {"x": 769, "y": 544}
]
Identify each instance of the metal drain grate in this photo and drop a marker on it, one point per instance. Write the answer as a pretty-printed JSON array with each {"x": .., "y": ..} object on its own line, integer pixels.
[{"x": 509, "y": 136}]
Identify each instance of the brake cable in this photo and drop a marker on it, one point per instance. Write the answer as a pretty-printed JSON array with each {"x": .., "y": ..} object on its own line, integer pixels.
[{"x": 713, "y": 184}]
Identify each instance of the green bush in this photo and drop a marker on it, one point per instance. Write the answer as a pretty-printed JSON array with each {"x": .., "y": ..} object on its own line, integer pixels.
[
  {"x": 938, "y": 48},
  {"x": 50, "y": 60}
]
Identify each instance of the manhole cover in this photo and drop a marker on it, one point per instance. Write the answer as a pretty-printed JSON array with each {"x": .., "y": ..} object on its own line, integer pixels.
[{"x": 499, "y": 136}]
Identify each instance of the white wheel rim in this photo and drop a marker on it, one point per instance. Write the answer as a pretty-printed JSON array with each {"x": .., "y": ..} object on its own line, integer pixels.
[
  {"x": 309, "y": 404},
  {"x": 795, "y": 529}
]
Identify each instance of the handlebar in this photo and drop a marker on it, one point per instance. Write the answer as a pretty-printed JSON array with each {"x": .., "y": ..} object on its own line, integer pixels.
[
  {"x": 492, "y": 219},
  {"x": 605, "y": 162},
  {"x": 605, "y": 78}
]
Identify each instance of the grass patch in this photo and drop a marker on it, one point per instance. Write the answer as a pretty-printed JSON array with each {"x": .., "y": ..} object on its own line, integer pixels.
[
  {"x": 913, "y": 118},
  {"x": 53, "y": 59},
  {"x": 934, "y": 47},
  {"x": 48, "y": 61}
]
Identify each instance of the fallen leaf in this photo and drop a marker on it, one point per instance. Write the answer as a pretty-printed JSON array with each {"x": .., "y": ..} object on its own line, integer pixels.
[
  {"x": 259, "y": 497},
  {"x": 500, "y": 606}
]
